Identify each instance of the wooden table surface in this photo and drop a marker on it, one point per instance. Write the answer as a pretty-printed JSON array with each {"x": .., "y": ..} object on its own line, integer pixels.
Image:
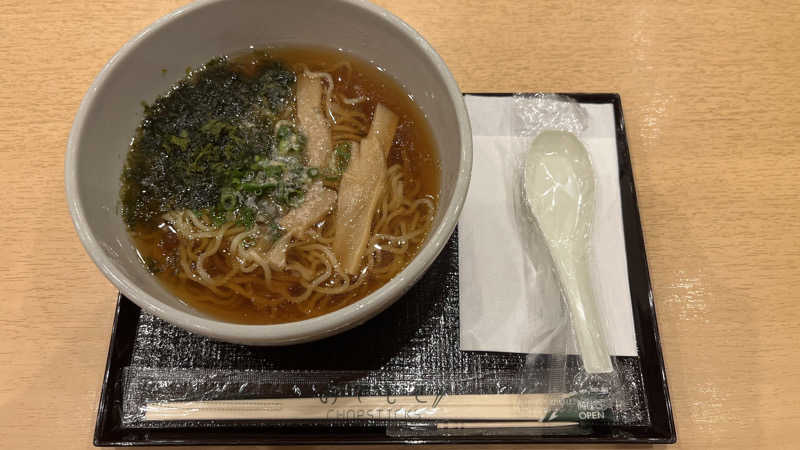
[{"x": 710, "y": 94}]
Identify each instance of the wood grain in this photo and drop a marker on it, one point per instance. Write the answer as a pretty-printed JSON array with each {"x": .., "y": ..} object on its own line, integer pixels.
[{"x": 710, "y": 93}]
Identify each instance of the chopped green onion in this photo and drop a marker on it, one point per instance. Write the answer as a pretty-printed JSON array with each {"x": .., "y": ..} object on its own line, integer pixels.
[
  {"x": 283, "y": 146},
  {"x": 218, "y": 217},
  {"x": 284, "y": 131},
  {"x": 228, "y": 199},
  {"x": 246, "y": 217},
  {"x": 341, "y": 154},
  {"x": 258, "y": 188},
  {"x": 273, "y": 171},
  {"x": 274, "y": 230}
]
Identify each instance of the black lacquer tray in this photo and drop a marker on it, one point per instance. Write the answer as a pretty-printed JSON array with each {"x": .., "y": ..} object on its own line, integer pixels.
[{"x": 417, "y": 338}]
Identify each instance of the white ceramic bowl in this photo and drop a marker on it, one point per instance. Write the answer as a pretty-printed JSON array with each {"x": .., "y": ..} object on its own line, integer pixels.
[{"x": 111, "y": 111}]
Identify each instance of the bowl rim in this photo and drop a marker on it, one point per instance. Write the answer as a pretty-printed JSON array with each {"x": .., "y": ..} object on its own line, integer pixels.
[{"x": 291, "y": 332}]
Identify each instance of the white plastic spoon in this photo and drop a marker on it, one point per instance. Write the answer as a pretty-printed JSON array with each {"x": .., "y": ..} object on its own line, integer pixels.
[{"x": 558, "y": 188}]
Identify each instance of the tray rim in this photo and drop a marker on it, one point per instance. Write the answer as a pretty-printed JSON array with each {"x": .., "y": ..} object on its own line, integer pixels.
[{"x": 660, "y": 431}]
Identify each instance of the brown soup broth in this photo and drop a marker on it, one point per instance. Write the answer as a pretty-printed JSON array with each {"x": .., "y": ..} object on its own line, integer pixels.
[{"x": 156, "y": 241}]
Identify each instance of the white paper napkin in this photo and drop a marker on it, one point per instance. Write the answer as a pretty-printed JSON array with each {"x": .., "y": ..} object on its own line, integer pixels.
[{"x": 504, "y": 304}]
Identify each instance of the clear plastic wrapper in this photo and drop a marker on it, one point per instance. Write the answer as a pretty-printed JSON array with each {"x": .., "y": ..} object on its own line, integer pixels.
[
  {"x": 402, "y": 406},
  {"x": 174, "y": 398},
  {"x": 554, "y": 208}
]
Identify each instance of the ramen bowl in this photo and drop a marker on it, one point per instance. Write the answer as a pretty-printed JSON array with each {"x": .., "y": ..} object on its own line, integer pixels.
[{"x": 152, "y": 61}]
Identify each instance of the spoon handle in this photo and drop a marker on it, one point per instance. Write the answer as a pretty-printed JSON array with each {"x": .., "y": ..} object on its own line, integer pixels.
[{"x": 586, "y": 320}]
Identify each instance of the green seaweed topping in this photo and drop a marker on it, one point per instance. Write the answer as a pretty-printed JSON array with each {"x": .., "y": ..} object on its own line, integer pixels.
[{"x": 209, "y": 145}]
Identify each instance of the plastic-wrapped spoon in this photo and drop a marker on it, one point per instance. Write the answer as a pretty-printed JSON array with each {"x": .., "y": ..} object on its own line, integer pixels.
[{"x": 558, "y": 189}]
